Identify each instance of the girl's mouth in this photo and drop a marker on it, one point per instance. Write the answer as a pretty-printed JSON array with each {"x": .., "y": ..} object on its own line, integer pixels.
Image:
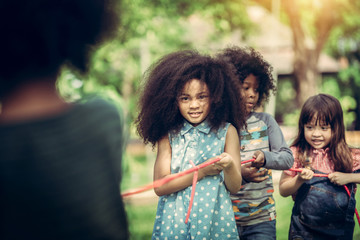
[{"x": 195, "y": 114}]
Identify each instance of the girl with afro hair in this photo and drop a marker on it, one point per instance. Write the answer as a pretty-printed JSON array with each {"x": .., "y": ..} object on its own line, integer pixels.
[
  {"x": 190, "y": 108},
  {"x": 254, "y": 205}
]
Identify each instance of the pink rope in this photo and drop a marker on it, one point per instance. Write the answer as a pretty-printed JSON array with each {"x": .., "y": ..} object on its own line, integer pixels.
[
  {"x": 195, "y": 178},
  {"x": 167, "y": 179}
]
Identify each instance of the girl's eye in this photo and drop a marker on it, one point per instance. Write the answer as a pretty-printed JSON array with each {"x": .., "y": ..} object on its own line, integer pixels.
[
  {"x": 183, "y": 99},
  {"x": 308, "y": 127},
  {"x": 203, "y": 97},
  {"x": 325, "y": 128}
]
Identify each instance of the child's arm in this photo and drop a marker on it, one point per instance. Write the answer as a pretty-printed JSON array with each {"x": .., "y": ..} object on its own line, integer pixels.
[
  {"x": 230, "y": 162},
  {"x": 289, "y": 185},
  {"x": 279, "y": 156},
  {"x": 162, "y": 169},
  {"x": 340, "y": 178}
]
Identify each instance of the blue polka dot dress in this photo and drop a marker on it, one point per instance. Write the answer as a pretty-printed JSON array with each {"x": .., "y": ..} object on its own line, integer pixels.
[{"x": 211, "y": 215}]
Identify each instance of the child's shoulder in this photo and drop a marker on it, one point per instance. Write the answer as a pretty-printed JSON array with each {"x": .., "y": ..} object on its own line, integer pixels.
[
  {"x": 267, "y": 118},
  {"x": 262, "y": 115}
]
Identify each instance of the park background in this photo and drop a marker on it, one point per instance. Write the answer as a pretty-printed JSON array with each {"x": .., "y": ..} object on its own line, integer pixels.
[{"x": 313, "y": 46}]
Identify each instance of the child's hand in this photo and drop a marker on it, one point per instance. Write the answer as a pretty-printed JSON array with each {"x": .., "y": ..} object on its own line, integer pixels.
[
  {"x": 225, "y": 162},
  {"x": 212, "y": 169},
  {"x": 259, "y": 159},
  {"x": 252, "y": 174},
  {"x": 339, "y": 178},
  {"x": 306, "y": 174}
]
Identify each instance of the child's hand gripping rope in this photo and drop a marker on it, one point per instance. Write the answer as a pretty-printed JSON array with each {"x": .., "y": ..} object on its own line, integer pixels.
[{"x": 164, "y": 180}]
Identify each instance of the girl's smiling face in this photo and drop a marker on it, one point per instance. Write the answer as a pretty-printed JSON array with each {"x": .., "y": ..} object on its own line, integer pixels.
[
  {"x": 317, "y": 133},
  {"x": 194, "y": 101}
]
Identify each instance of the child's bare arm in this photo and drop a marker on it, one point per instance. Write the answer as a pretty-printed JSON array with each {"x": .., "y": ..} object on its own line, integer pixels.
[
  {"x": 289, "y": 185},
  {"x": 230, "y": 162},
  {"x": 340, "y": 178}
]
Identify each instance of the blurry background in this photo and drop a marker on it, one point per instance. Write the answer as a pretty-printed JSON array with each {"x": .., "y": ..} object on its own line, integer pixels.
[{"x": 313, "y": 46}]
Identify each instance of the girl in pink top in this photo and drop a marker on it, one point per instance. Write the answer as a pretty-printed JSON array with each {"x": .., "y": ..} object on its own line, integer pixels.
[{"x": 322, "y": 208}]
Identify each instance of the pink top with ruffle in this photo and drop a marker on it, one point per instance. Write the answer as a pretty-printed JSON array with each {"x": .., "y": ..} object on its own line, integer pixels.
[{"x": 321, "y": 160}]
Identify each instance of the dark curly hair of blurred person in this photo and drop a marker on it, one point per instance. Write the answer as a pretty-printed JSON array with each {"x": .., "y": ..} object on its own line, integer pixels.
[
  {"x": 164, "y": 80},
  {"x": 38, "y": 37},
  {"x": 248, "y": 61}
]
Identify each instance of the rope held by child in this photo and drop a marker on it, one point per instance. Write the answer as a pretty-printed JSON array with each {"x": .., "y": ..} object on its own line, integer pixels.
[{"x": 195, "y": 169}]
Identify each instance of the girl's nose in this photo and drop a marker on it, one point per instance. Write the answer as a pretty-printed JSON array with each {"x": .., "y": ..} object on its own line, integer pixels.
[
  {"x": 316, "y": 132},
  {"x": 194, "y": 103},
  {"x": 251, "y": 93}
]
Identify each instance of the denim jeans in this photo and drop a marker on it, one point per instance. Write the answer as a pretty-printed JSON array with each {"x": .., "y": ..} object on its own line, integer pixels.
[
  {"x": 323, "y": 210},
  {"x": 261, "y": 231}
]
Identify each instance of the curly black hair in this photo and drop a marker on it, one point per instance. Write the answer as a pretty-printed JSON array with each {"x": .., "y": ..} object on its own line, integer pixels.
[
  {"x": 247, "y": 61},
  {"x": 39, "y": 36},
  {"x": 163, "y": 82}
]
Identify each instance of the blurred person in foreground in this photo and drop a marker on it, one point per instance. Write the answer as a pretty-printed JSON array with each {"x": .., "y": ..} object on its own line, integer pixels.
[{"x": 60, "y": 162}]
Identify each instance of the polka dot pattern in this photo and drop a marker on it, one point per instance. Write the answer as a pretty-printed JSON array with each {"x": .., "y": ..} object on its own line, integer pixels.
[{"x": 211, "y": 214}]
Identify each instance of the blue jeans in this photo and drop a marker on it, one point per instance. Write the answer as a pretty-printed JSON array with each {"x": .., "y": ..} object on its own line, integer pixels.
[
  {"x": 260, "y": 231},
  {"x": 323, "y": 210}
]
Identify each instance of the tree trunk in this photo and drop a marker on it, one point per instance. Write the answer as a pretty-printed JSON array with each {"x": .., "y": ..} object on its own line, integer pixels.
[
  {"x": 307, "y": 50},
  {"x": 306, "y": 75}
]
